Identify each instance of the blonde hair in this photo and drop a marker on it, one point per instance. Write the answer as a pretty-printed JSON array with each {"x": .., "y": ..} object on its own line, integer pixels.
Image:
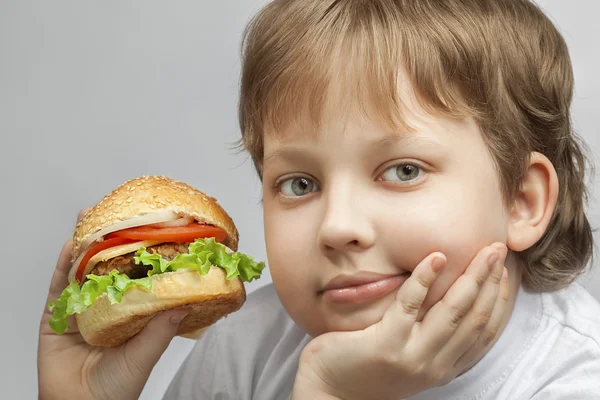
[{"x": 501, "y": 62}]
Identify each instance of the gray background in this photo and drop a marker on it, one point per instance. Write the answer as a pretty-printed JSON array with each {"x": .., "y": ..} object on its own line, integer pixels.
[{"x": 94, "y": 93}]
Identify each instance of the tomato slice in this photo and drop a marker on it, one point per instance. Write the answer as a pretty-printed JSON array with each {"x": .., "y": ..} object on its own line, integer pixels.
[
  {"x": 96, "y": 249},
  {"x": 187, "y": 233}
]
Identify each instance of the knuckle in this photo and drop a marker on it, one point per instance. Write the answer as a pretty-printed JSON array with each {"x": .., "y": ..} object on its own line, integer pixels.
[
  {"x": 496, "y": 276},
  {"x": 481, "y": 320},
  {"x": 411, "y": 306},
  {"x": 404, "y": 360},
  {"x": 389, "y": 359},
  {"x": 394, "y": 359},
  {"x": 82, "y": 213},
  {"x": 489, "y": 337},
  {"x": 479, "y": 281},
  {"x": 423, "y": 281},
  {"x": 421, "y": 371},
  {"x": 456, "y": 314},
  {"x": 479, "y": 326}
]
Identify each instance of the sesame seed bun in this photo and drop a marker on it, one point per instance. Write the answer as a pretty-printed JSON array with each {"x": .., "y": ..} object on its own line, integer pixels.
[{"x": 147, "y": 195}]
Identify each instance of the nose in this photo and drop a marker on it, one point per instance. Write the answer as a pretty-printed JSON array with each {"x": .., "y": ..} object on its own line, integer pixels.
[{"x": 346, "y": 225}]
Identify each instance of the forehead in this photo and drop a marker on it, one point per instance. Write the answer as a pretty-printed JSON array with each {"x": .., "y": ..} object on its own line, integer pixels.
[
  {"x": 343, "y": 108},
  {"x": 345, "y": 98}
]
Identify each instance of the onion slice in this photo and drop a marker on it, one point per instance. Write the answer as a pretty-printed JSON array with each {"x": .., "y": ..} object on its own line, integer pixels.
[
  {"x": 147, "y": 219},
  {"x": 183, "y": 221},
  {"x": 75, "y": 266}
]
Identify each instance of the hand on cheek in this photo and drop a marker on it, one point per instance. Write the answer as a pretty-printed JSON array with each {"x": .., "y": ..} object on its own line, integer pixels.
[
  {"x": 401, "y": 356},
  {"x": 448, "y": 277}
]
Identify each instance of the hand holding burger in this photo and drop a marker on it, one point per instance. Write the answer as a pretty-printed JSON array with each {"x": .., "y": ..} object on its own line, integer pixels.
[{"x": 155, "y": 258}]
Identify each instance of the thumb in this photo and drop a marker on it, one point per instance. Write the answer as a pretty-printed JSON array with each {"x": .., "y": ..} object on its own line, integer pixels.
[{"x": 145, "y": 349}]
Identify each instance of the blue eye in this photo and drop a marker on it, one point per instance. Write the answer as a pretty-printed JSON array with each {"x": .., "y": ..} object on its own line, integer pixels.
[
  {"x": 402, "y": 173},
  {"x": 297, "y": 187}
]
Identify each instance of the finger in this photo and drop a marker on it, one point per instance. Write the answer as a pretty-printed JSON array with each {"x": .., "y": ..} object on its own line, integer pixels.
[
  {"x": 493, "y": 326},
  {"x": 477, "y": 318},
  {"x": 144, "y": 350},
  {"x": 45, "y": 328},
  {"x": 441, "y": 322},
  {"x": 59, "y": 279},
  {"x": 399, "y": 318},
  {"x": 82, "y": 213},
  {"x": 58, "y": 283}
]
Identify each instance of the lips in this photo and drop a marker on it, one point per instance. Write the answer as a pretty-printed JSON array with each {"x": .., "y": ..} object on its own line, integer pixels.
[{"x": 361, "y": 287}]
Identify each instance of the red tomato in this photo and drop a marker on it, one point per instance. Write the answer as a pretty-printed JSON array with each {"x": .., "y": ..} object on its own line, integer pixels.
[
  {"x": 187, "y": 233},
  {"x": 96, "y": 249}
]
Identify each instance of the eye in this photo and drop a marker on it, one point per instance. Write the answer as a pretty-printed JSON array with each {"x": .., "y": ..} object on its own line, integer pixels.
[
  {"x": 402, "y": 173},
  {"x": 297, "y": 187}
]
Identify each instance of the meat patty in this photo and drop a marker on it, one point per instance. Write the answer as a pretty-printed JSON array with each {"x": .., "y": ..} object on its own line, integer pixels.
[{"x": 125, "y": 264}]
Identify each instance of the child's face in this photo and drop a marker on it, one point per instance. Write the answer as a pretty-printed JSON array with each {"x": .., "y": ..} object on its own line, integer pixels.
[{"x": 358, "y": 199}]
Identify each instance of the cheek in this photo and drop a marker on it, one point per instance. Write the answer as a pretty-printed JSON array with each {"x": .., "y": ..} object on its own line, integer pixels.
[
  {"x": 458, "y": 224},
  {"x": 289, "y": 238},
  {"x": 284, "y": 240}
]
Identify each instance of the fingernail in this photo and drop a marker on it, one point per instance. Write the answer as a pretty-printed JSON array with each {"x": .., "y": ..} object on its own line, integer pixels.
[
  {"x": 177, "y": 318},
  {"x": 437, "y": 264},
  {"x": 493, "y": 258}
]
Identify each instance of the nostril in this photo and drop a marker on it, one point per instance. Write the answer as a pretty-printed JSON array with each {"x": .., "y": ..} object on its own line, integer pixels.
[{"x": 352, "y": 244}]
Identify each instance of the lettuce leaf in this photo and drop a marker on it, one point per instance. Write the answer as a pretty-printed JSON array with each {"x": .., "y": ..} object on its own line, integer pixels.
[
  {"x": 203, "y": 253},
  {"x": 75, "y": 299}
]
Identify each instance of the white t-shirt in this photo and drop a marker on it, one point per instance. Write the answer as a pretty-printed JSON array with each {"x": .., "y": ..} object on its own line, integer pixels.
[{"x": 549, "y": 350}]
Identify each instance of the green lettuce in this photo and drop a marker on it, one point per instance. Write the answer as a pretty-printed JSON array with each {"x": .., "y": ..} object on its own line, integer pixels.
[
  {"x": 75, "y": 299},
  {"x": 203, "y": 253}
]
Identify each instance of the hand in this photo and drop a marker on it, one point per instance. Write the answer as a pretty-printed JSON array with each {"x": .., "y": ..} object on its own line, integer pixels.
[
  {"x": 69, "y": 368},
  {"x": 399, "y": 356}
]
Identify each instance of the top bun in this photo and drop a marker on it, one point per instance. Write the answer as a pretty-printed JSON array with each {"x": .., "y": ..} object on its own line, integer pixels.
[{"x": 147, "y": 195}]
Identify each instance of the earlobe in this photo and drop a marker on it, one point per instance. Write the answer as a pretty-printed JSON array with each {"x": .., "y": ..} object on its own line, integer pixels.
[{"x": 534, "y": 204}]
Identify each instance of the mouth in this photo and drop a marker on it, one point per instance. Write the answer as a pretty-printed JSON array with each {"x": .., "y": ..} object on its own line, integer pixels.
[{"x": 361, "y": 287}]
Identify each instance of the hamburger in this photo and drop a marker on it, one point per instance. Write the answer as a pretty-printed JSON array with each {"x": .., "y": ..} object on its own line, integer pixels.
[{"x": 152, "y": 244}]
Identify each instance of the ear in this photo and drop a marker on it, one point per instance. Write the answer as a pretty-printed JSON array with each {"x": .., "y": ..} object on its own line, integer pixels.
[{"x": 534, "y": 204}]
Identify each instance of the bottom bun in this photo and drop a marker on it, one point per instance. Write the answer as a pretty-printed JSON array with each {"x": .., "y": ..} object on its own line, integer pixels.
[{"x": 207, "y": 297}]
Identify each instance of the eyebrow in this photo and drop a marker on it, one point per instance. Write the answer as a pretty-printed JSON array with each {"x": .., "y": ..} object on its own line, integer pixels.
[
  {"x": 291, "y": 153},
  {"x": 294, "y": 153},
  {"x": 404, "y": 140}
]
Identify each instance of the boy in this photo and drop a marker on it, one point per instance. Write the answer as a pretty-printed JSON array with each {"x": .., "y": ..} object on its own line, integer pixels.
[{"x": 408, "y": 149}]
